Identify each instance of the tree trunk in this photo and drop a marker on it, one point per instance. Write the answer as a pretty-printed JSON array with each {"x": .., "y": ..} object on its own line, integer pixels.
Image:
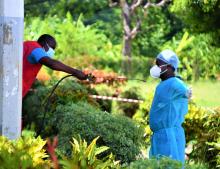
[{"x": 126, "y": 51}]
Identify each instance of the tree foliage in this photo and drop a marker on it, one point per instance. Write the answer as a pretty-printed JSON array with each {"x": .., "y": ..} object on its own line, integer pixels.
[
  {"x": 73, "y": 37},
  {"x": 200, "y": 15},
  {"x": 195, "y": 52}
]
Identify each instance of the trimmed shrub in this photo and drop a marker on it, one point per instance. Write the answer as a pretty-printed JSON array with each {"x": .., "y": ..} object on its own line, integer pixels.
[
  {"x": 196, "y": 166},
  {"x": 119, "y": 133},
  {"x": 162, "y": 163},
  {"x": 37, "y": 103}
]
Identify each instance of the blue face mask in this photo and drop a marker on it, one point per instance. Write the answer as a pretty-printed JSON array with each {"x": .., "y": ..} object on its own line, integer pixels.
[{"x": 50, "y": 51}]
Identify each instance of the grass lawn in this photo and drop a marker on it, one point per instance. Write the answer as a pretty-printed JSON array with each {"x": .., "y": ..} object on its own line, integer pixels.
[{"x": 205, "y": 93}]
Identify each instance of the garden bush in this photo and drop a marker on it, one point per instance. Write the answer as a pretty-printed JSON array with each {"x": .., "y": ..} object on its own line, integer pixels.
[
  {"x": 84, "y": 156},
  {"x": 162, "y": 163},
  {"x": 196, "y": 166},
  {"x": 104, "y": 90},
  {"x": 130, "y": 109},
  {"x": 120, "y": 134},
  {"x": 26, "y": 153},
  {"x": 37, "y": 103},
  {"x": 29, "y": 152},
  {"x": 202, "y": 132}
]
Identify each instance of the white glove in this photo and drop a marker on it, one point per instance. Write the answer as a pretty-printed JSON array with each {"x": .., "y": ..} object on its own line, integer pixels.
[{"x": 189, "y": 93}]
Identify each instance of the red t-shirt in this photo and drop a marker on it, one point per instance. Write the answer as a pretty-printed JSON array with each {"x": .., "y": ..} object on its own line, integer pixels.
[{"x": 32, "y": 53}]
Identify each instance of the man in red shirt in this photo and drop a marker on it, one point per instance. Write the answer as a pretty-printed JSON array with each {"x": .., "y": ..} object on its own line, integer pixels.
[{"x": 38, "y": 53}]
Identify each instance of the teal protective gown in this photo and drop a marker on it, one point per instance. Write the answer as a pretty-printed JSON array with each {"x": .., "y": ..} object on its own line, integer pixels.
[{"x": 167, "y": 113}]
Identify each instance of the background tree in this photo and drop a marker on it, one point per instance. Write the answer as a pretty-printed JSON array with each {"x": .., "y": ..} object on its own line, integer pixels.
[
  {"x": 131, "y": 11},
  {"x": 200, "y": 16},
  {"x": 94, "y": 12}
]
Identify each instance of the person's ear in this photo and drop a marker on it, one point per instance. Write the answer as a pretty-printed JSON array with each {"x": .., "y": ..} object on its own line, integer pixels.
[{"x": 171, "y": 68}]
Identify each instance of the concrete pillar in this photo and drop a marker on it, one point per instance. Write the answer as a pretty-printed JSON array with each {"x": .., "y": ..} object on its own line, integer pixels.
[{"x": 11, "y": 52}]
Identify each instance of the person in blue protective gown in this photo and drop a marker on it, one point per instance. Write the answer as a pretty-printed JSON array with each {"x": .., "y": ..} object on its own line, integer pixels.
[{"x": 169, "y": 106}]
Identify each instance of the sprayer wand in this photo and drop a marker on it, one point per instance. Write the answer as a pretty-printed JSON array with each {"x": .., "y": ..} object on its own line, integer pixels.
[{"x": 90, "y": 78}]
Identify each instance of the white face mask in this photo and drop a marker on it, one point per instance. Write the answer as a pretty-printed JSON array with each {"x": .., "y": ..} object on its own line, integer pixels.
[{"x": 155, "y": 71}]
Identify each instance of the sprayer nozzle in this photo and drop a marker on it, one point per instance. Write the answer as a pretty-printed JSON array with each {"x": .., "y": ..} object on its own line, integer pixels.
[{"x": 90, "y": 78}]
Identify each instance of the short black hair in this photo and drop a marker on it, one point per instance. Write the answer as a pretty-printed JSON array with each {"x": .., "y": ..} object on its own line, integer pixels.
[{"x": 47, "y": 39}]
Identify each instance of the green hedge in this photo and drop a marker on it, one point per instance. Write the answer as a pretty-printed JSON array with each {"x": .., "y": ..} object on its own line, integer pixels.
[
  {"x": 163, "y": 163},
  {"x": 36, "y": 103},
  {"x": 119, "y": 133}
]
